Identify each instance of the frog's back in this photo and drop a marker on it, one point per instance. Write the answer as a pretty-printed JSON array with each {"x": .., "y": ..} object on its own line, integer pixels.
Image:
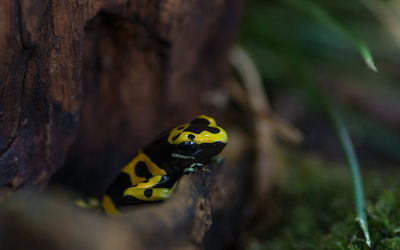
[
  {"x": 140, "y": 169},
  {"x": 154, "y": 171}
]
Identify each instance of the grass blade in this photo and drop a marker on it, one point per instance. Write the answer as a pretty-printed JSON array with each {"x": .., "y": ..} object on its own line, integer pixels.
[
  {"x": 352, "y": 160},
  {"x": 323, "y": 17}
]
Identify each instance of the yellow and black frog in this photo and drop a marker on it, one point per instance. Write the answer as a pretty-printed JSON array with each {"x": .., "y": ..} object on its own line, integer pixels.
[{"x": 153, "y": 173}]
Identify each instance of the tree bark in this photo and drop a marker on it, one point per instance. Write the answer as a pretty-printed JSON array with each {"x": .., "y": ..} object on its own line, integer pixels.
[
  {"x": 84, "y": 84},
  {"x": 104, "y": 75},
  {"x": 50, "y": 222}
]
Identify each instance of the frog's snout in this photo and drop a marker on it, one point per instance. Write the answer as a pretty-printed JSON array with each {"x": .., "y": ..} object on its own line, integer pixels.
[{"x": 224, "y": 136}]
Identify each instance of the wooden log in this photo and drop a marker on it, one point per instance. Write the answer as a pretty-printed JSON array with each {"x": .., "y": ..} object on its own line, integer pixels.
[
  {"x": 50, "y": 222},
  {"x": 83, "y": 85},
  {"x": 104, "y": 75}
]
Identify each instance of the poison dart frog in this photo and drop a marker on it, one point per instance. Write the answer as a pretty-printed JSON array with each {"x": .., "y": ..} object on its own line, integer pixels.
[{"x": 153, "y": 173}]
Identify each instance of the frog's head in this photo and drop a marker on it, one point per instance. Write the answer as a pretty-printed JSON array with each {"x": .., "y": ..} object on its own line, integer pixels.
[
  {"x": 191, "y": 143},
  {"x": 198, "y": 140}
]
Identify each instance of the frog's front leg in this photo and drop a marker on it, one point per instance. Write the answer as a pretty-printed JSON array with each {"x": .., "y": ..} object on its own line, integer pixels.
[
  {"x": 191, "y": 167},
  {"x": 218, "y": 160}
]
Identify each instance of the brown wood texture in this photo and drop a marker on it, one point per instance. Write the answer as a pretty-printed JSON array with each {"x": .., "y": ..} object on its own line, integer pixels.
[
  {"x": 83, "y": 85},
  {"x": 50, "y": 222},
  {"x": 104, "y": 75}
]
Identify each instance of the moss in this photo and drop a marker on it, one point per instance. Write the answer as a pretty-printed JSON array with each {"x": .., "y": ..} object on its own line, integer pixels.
[{"x": 318, "y": 208}]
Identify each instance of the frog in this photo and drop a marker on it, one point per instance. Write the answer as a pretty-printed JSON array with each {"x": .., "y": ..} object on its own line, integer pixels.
[{"x": 152, "y": 175}]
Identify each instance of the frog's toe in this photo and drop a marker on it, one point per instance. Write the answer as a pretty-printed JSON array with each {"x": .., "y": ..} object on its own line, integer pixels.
[
  {"x": 218, "y": 159},
  {"x": 188, "y": 170}
]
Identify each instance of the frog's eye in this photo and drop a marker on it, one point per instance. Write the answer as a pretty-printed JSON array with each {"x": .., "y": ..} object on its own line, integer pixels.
[{"x": 186, "y": 148}]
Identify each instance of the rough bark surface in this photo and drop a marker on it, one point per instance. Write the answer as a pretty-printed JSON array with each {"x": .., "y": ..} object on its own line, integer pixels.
[
  {"x": 83, "y": 85},
  {"x": 50, "y": 222},
  {"x": 130, "y": 68}
]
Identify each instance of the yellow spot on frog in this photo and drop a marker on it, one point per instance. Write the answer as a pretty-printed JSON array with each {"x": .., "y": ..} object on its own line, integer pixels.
[
  {"x": 151, "y": 166},
  {"x": 108, "y": 205},
  {"x": 204, "y": 137}
]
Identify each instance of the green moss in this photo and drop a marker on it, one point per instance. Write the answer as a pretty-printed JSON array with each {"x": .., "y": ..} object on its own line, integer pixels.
[{"x": 318, "y": 209}]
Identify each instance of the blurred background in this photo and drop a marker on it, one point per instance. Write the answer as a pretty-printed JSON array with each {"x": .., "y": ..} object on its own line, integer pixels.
[{"x": 317, "y": 59}]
